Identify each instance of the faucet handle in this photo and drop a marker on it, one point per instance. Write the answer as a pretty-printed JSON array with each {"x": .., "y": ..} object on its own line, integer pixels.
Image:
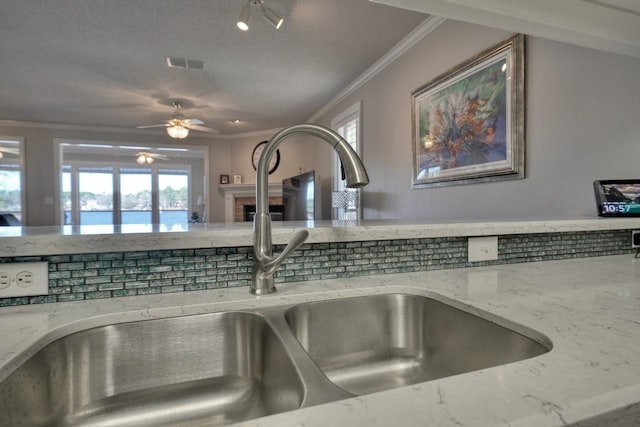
[{"x": 296, "y": 241}]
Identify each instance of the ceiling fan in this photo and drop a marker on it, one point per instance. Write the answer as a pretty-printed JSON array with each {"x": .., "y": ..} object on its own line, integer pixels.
[
  {"x": 178, "y": 126},
  {"x": 143, "y": 157},
  {"x": 9, "y": 150}
]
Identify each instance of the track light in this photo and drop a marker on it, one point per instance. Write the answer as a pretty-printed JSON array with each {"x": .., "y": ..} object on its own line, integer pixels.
[
  {"x": 271, "y": 16},
  {"x": 268, "y": 13},
  {"x": 245, "y": 14}
]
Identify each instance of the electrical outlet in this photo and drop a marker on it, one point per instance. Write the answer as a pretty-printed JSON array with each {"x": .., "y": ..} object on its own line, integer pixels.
[
  {"x": 18, "y": 279},
  {"x": 482, "y": 248},
  {"x": 24, "y": 279},
  {"x": 5, "y": 280}
]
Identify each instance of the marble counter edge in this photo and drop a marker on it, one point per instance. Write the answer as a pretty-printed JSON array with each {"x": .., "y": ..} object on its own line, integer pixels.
[{"x": 55, "y": 242}]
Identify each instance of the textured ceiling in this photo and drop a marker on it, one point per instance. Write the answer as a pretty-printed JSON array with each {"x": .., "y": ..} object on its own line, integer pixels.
[{"x": 102, "y": 62}]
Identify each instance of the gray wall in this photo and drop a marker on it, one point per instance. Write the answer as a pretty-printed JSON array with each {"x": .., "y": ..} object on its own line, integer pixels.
[{"x": 582, "y": 124}]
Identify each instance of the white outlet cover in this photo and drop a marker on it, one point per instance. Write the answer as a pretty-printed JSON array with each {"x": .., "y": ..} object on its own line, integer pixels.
[
  {"x": 39, "y": 279},
  {"x": 24, "y": 279},
  {"x": 482, "y": 248},
  {"x": 5, "y": 280}
]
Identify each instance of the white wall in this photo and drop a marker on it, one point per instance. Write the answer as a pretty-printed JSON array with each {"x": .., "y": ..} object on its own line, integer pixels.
[{"x": 582, "y": 124}]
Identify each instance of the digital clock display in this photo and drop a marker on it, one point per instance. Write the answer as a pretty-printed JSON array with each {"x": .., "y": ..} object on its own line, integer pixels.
[{"x": 618, "y": 198}]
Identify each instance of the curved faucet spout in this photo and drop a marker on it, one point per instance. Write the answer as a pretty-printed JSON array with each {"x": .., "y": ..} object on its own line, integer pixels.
[
  {"x": 264, "y": 263},
  {"x": 355, "y": 173}
]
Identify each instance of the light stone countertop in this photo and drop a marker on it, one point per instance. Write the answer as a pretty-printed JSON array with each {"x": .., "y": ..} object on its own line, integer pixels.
[
  {"x": 35, "y": 241},
  {"x": 589, "y": 308}
]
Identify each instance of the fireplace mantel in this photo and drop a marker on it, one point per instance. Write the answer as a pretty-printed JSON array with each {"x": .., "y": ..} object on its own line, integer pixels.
[{"x": 235, "y": 191}]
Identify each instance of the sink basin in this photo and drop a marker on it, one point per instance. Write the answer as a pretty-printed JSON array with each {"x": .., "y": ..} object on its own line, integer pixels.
[
  {"x": 208, "y": 370},
  {"x": 374, "y": 343},
  {"x": 220, "y": 368}
]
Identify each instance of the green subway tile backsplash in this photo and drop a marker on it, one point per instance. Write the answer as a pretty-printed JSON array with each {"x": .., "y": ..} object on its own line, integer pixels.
[{"x": 109, "y": 275}]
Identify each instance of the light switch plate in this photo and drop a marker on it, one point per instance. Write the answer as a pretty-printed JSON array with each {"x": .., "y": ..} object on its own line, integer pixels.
[{"x": 482, "y": 248}]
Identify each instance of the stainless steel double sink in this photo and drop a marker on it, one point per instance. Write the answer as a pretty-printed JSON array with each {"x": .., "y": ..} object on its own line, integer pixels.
[{"x": 221, "y": 368}]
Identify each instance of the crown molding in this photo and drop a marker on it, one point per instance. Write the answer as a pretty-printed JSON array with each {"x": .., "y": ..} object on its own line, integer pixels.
[
  {"x": 267, "y": 133},
  {"x": 93, "y": 128},
  {"x": 607, "y": 25},
  {"x": 419, "y": 33},
  {"x": 68, "y": 126}
]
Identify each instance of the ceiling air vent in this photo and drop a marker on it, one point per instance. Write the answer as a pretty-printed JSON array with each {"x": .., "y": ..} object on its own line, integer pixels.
[{"x": 191, "y": 64}]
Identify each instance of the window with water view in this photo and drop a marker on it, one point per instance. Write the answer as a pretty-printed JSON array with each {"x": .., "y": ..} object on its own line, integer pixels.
[
  {"x": 10, "y": 182},
  {"x": 128, "y": 193}
]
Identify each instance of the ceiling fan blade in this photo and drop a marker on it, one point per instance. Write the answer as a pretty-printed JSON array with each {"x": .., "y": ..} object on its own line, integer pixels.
[
  {"x": 152, "y": 126},
  {"x": 152, "y": 155},
  {"x": 203, "y": 129},
  {"x": 10, "y": 150},
  {"x": 189, "y": 122}
]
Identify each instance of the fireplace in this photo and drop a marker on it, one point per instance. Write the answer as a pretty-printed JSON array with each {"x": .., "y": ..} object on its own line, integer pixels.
[
  {"x": 245, "y": 208},
  {"x": 276, "y": 211},
  {"x": 237, "y": 196}
]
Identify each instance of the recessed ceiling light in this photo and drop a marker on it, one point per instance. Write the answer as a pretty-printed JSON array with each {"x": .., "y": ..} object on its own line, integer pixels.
[{"x": 234, "y": 121}]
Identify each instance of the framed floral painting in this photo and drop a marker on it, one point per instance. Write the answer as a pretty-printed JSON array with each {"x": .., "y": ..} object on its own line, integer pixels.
[{"x": 468, "y": 123}]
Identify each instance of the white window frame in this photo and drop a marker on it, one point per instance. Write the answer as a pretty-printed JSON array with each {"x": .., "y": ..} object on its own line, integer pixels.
[
  {"x": 23, "y": 181},
  {"x": 116, "y": 172},
  {"x": 354, "y": 112},
  {"x": 58, "y": 160}
]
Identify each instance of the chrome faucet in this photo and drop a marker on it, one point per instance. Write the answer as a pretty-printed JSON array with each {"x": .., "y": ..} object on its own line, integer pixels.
[{"x": 264, "y": 263}]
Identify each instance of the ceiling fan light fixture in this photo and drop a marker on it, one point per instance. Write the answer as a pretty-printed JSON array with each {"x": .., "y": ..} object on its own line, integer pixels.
[
  {"x": 177, "y": 132},
  {"x": 271, "y": 16},
  {"x": 245, "y": 14},
  {"x": 142, "y": 159},
  {"x": 178, "y": 126}
]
